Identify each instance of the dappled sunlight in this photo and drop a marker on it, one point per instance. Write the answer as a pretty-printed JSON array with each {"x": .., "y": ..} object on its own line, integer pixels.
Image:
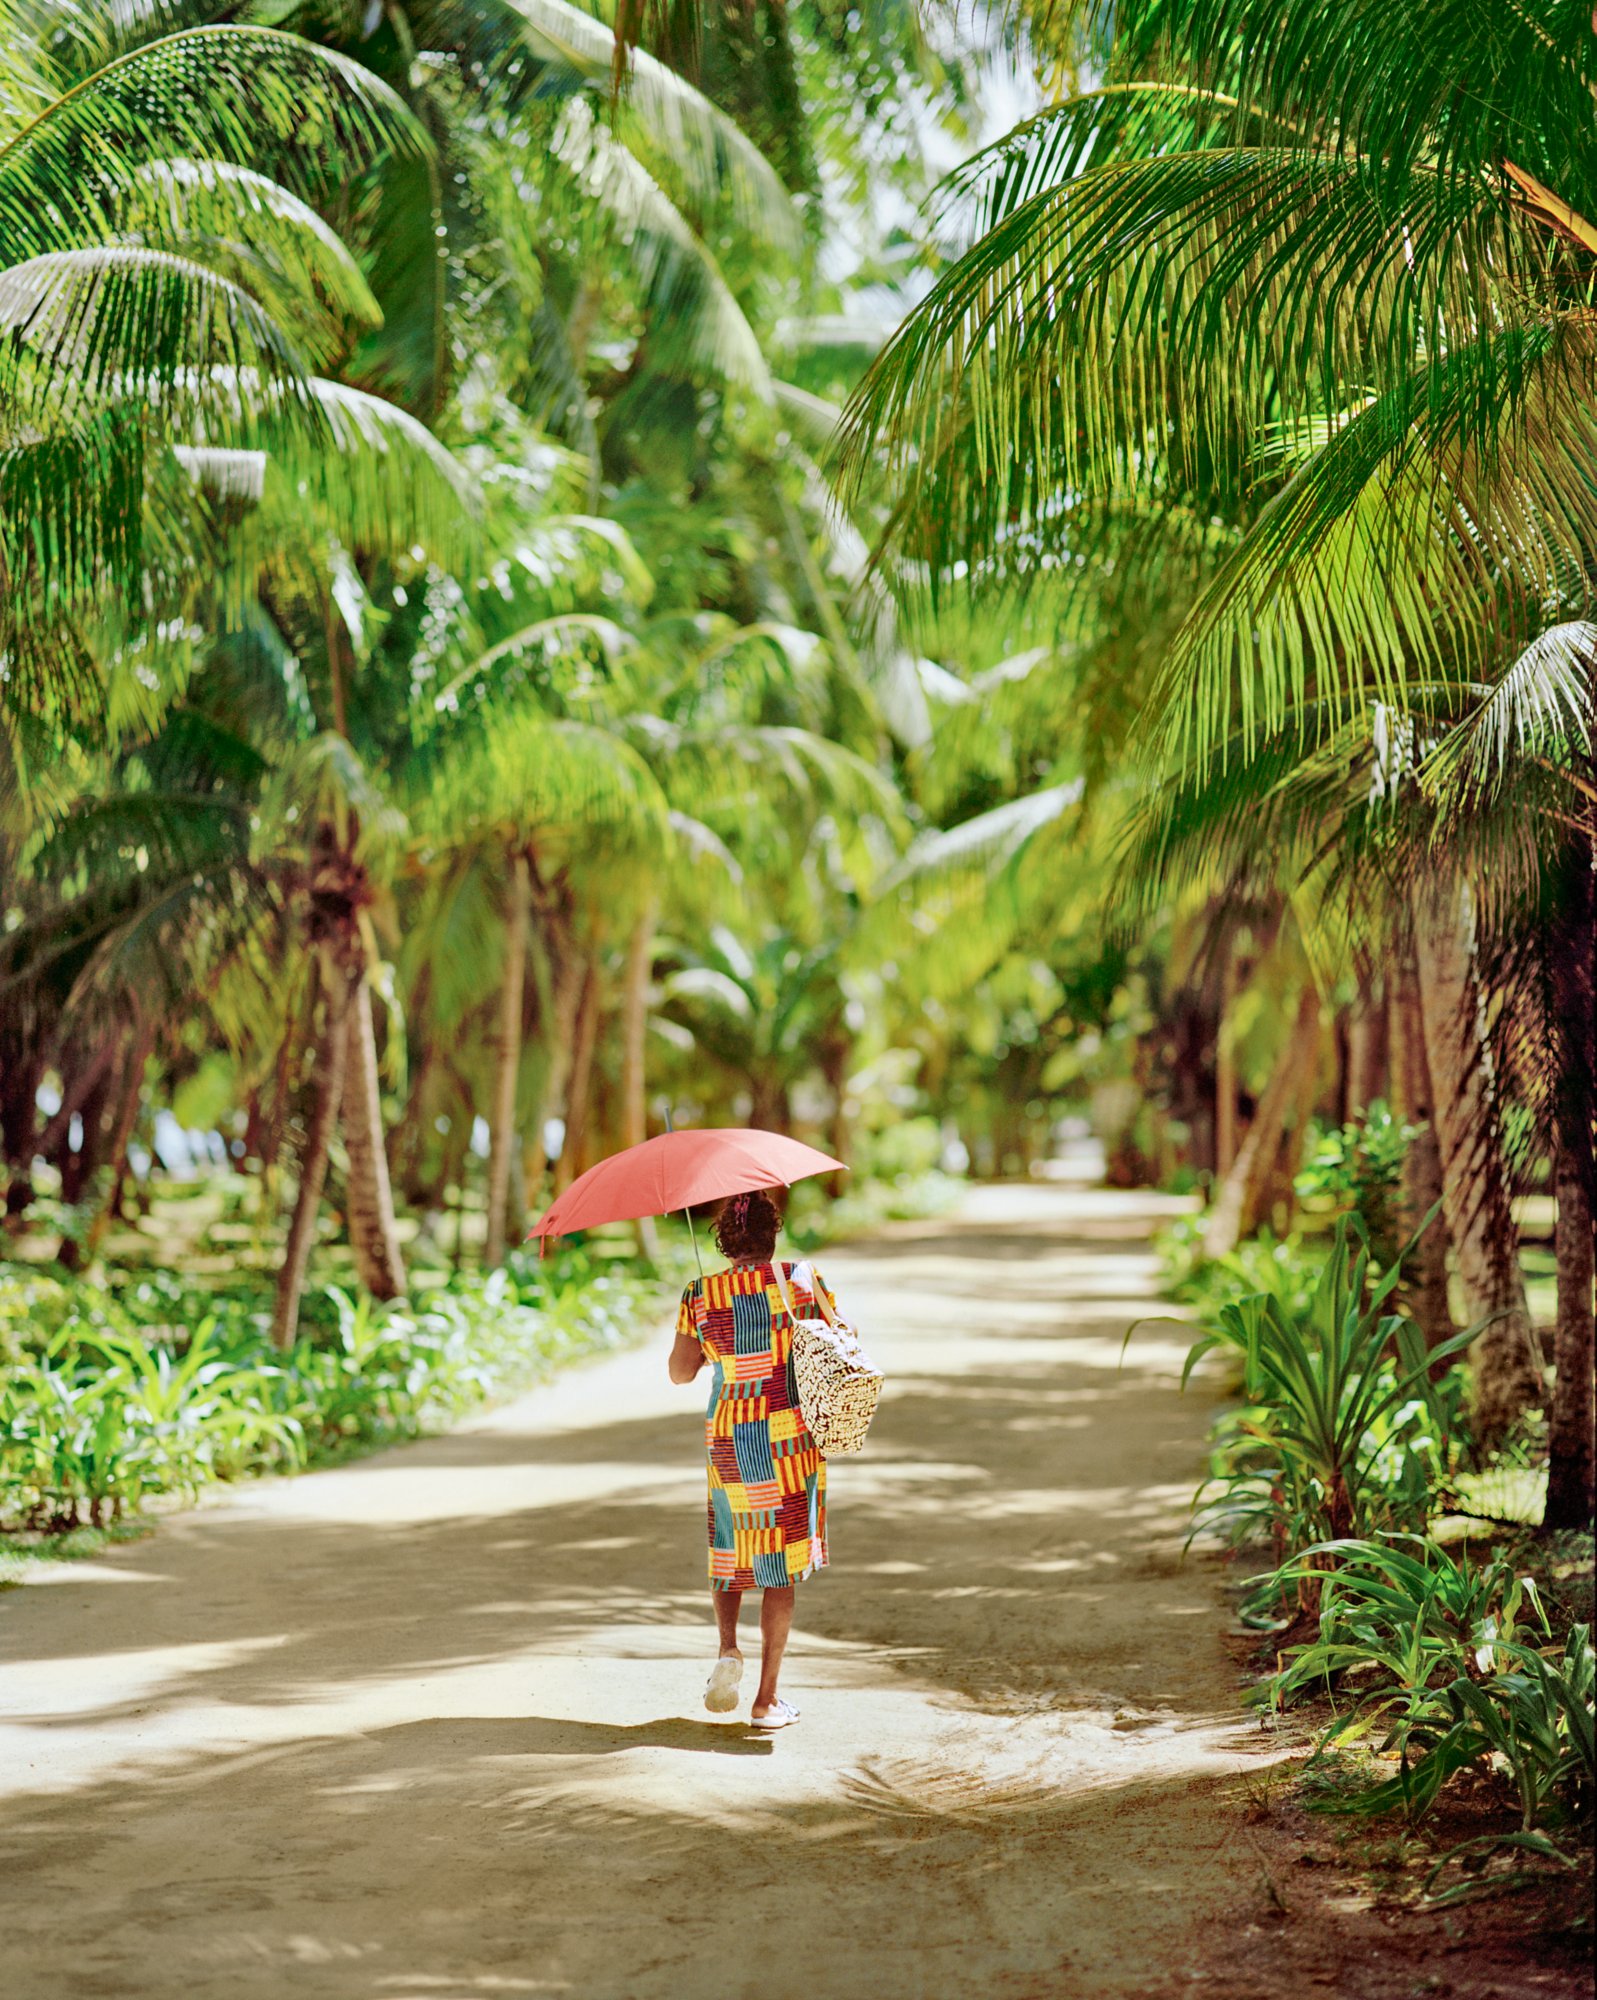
[
  {"x": 406, "y": 1495},
  {"x": 462, "y": 1679}
]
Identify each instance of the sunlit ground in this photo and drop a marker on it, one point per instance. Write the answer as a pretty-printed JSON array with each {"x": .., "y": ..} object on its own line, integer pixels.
[{"x": 430, "y": 1723}]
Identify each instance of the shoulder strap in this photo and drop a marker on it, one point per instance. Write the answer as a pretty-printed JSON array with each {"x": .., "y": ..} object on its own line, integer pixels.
[
  {"x": 811, "y": 1285},
  {"x": 818, "y": 1293}
]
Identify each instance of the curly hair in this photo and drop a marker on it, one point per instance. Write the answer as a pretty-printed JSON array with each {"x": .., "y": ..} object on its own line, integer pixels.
[{"x": 747, "y": 1225}]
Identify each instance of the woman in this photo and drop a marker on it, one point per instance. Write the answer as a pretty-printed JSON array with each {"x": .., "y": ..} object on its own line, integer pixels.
[{"x": 767, "y": 1511}]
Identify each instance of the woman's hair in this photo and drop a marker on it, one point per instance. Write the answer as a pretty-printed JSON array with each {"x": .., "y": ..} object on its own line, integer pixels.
[{"x": 747, "y": 1225}]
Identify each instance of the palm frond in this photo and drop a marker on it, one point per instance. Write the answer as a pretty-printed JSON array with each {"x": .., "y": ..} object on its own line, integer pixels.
[
  {"x": 299, "y": 113},
  {"x": 1388, "y": 84},
  {"x": 239, "y": 222},
  {"x": 383, "y": 479},
  {"x": 525, "y": 778},
  {"x": 1541, "y": 711},
  {"x": 1158, "y": 308},
  {"x": 72, "y": 512},
  {"x": 1400, "y": 550},
  {"x": 98, "y": 323},
  {"x": 699, "y": 146},
  {"x": 695, "y": 320}
]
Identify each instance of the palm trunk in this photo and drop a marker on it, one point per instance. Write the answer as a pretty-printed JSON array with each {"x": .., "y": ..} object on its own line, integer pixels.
[
  {"x": 634, "y": 1050},
  {"x": 512, "y": 986},
  {"x": 88, "y": 1078},
  {"x": 1367, "y": 1053},
  {"x": 835, "y": 1052},
  {"x": 141, "y": 1045},
  {"x": 1425, "y": 1274},
  {"x": 559, "y": 1033},
  {"x": 372, "y": 1231},
  {"x": 1239, "y": 1205},
  {"x": 1480, "y": 1216},
  {"x": 580, "y": 1081},
  {"x": 1572, "y": 1429},
  {"x": 78, "y": 1169},
  {"x": 634, "y": 1028},
  {"x": 1225, "y": 1066},
  {"x": 331, "y": 1057},
  {"x": 22, "y": 1067}
]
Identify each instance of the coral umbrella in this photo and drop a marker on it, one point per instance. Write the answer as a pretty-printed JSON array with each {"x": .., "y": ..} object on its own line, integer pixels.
[{"x": 680, "y": 1170}]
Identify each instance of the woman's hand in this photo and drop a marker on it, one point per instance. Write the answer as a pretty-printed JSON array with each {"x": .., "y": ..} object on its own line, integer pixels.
[{"x": 687, "y": 1358}]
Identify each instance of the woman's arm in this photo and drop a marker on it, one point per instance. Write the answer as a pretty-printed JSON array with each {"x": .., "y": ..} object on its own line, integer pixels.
[{"x": 687, "y": 1356}]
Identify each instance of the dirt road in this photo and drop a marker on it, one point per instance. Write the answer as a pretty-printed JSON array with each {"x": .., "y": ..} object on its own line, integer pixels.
[{"x": 428, "y": 1727}]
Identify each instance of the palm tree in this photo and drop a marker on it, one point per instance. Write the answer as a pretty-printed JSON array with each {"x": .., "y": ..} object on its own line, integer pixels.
[
  {"x": 166, "y": 282},
  {"x": 1279, "y": 248},
  {"x": 530, "y": 799}
]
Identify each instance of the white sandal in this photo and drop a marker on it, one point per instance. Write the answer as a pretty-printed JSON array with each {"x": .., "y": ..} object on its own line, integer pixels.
[
  {"x": 780, "y": 1715},
  {"x": 721, "y": 1689}
]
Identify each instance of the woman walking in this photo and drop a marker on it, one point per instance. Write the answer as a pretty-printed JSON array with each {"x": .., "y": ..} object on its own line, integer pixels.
[{"x": 767, "y": 1506}]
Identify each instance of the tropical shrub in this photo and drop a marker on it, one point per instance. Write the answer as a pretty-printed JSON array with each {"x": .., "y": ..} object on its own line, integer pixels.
[
  {"x": 99, "y": 1420},
  {"x": 1342, "y": 1421},
  {"x": 101, "y": 1412},
  {"x": 1439, "y": 1653},
  {"x": 1359, "y": 1167},
  {"x": 1285, "y": 1266}
]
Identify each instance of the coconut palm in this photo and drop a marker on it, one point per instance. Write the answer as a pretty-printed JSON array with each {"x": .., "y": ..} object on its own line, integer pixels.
[
  {"x": 1276, "y": 258},
  {"x": 168, "y": 285},
  {"x": 1357, "y": 292}
]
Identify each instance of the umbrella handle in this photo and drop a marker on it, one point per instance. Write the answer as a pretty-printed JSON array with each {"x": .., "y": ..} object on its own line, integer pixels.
[{"x": 687, "y": 1213}]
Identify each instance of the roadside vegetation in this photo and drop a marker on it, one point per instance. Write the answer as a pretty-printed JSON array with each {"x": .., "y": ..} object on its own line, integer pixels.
[{"x": 1410, "y": 1610}]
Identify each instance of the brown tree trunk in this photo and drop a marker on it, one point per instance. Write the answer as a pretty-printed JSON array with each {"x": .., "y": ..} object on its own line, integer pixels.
[
  {"x": 1278, "y": 1195},
  {"x": 78, "y": 1169},
  {"x": 22, "y": 1067},
  {"x": 580, "y": 1081},
  {"x": 635, "y": 1028},
  {"x": 1572, "y": 1427},
  {"x": 559, "y": 1031},
  {"x": 1480, "y": 1216},
  {"x": 372, "y": 1231},
  {"x": 1225, "y": 1066},
  {"x": 835, "y": 1053},
  {"x": 1425, "y": 1273},
  {"x": 1239, "y": 1204},
  {"x": 75, "y": 1092},
  {"x": 142, "y": 1045},
  {"x": 634, "y": 1050},
  {"x": 512, "y": 988},
  {"x": 1572, "y": 1455},
  {"x": 331, "y": 1057},
  {"x": 1366, "y": 1052}
]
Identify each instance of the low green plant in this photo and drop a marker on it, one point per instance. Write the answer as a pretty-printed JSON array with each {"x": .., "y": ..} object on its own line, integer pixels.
[
  {"x": 1439, "y": 1654},
  {"x": 116, "y": 1400},
  {"x": 100, "y": 1419},
  {"x": 1359, "y": 1167},
  {"x": 1338, "y": 1397},
  {"x": 1285, "y": 1267}
]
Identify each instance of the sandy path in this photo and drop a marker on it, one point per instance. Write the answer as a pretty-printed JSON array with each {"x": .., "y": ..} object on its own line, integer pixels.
[{"x": 428, "y": 1727}]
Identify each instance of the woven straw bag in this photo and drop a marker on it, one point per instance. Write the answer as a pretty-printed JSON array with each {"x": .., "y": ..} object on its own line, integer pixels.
[{"x": 838, "y": 1387}]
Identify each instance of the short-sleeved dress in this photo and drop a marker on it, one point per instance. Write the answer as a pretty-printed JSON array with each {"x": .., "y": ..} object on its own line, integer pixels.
[{"x": 767, "y": 1506}]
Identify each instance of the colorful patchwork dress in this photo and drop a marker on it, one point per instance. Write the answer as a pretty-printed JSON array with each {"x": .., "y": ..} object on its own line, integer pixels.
[{"x": 767, "y": 1508}]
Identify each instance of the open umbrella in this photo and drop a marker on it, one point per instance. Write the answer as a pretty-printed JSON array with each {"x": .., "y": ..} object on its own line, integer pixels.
[{"x": 680, "y": 1170}]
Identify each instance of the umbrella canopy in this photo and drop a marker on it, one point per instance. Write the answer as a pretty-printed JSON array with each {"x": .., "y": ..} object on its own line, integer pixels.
[{"x": 679, "y": 1170}]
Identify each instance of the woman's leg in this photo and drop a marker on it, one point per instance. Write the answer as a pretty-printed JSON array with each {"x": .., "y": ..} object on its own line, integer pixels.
[
  {"x": 776, "y": 1621},
  {"x": 728, "y": 1603}
]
